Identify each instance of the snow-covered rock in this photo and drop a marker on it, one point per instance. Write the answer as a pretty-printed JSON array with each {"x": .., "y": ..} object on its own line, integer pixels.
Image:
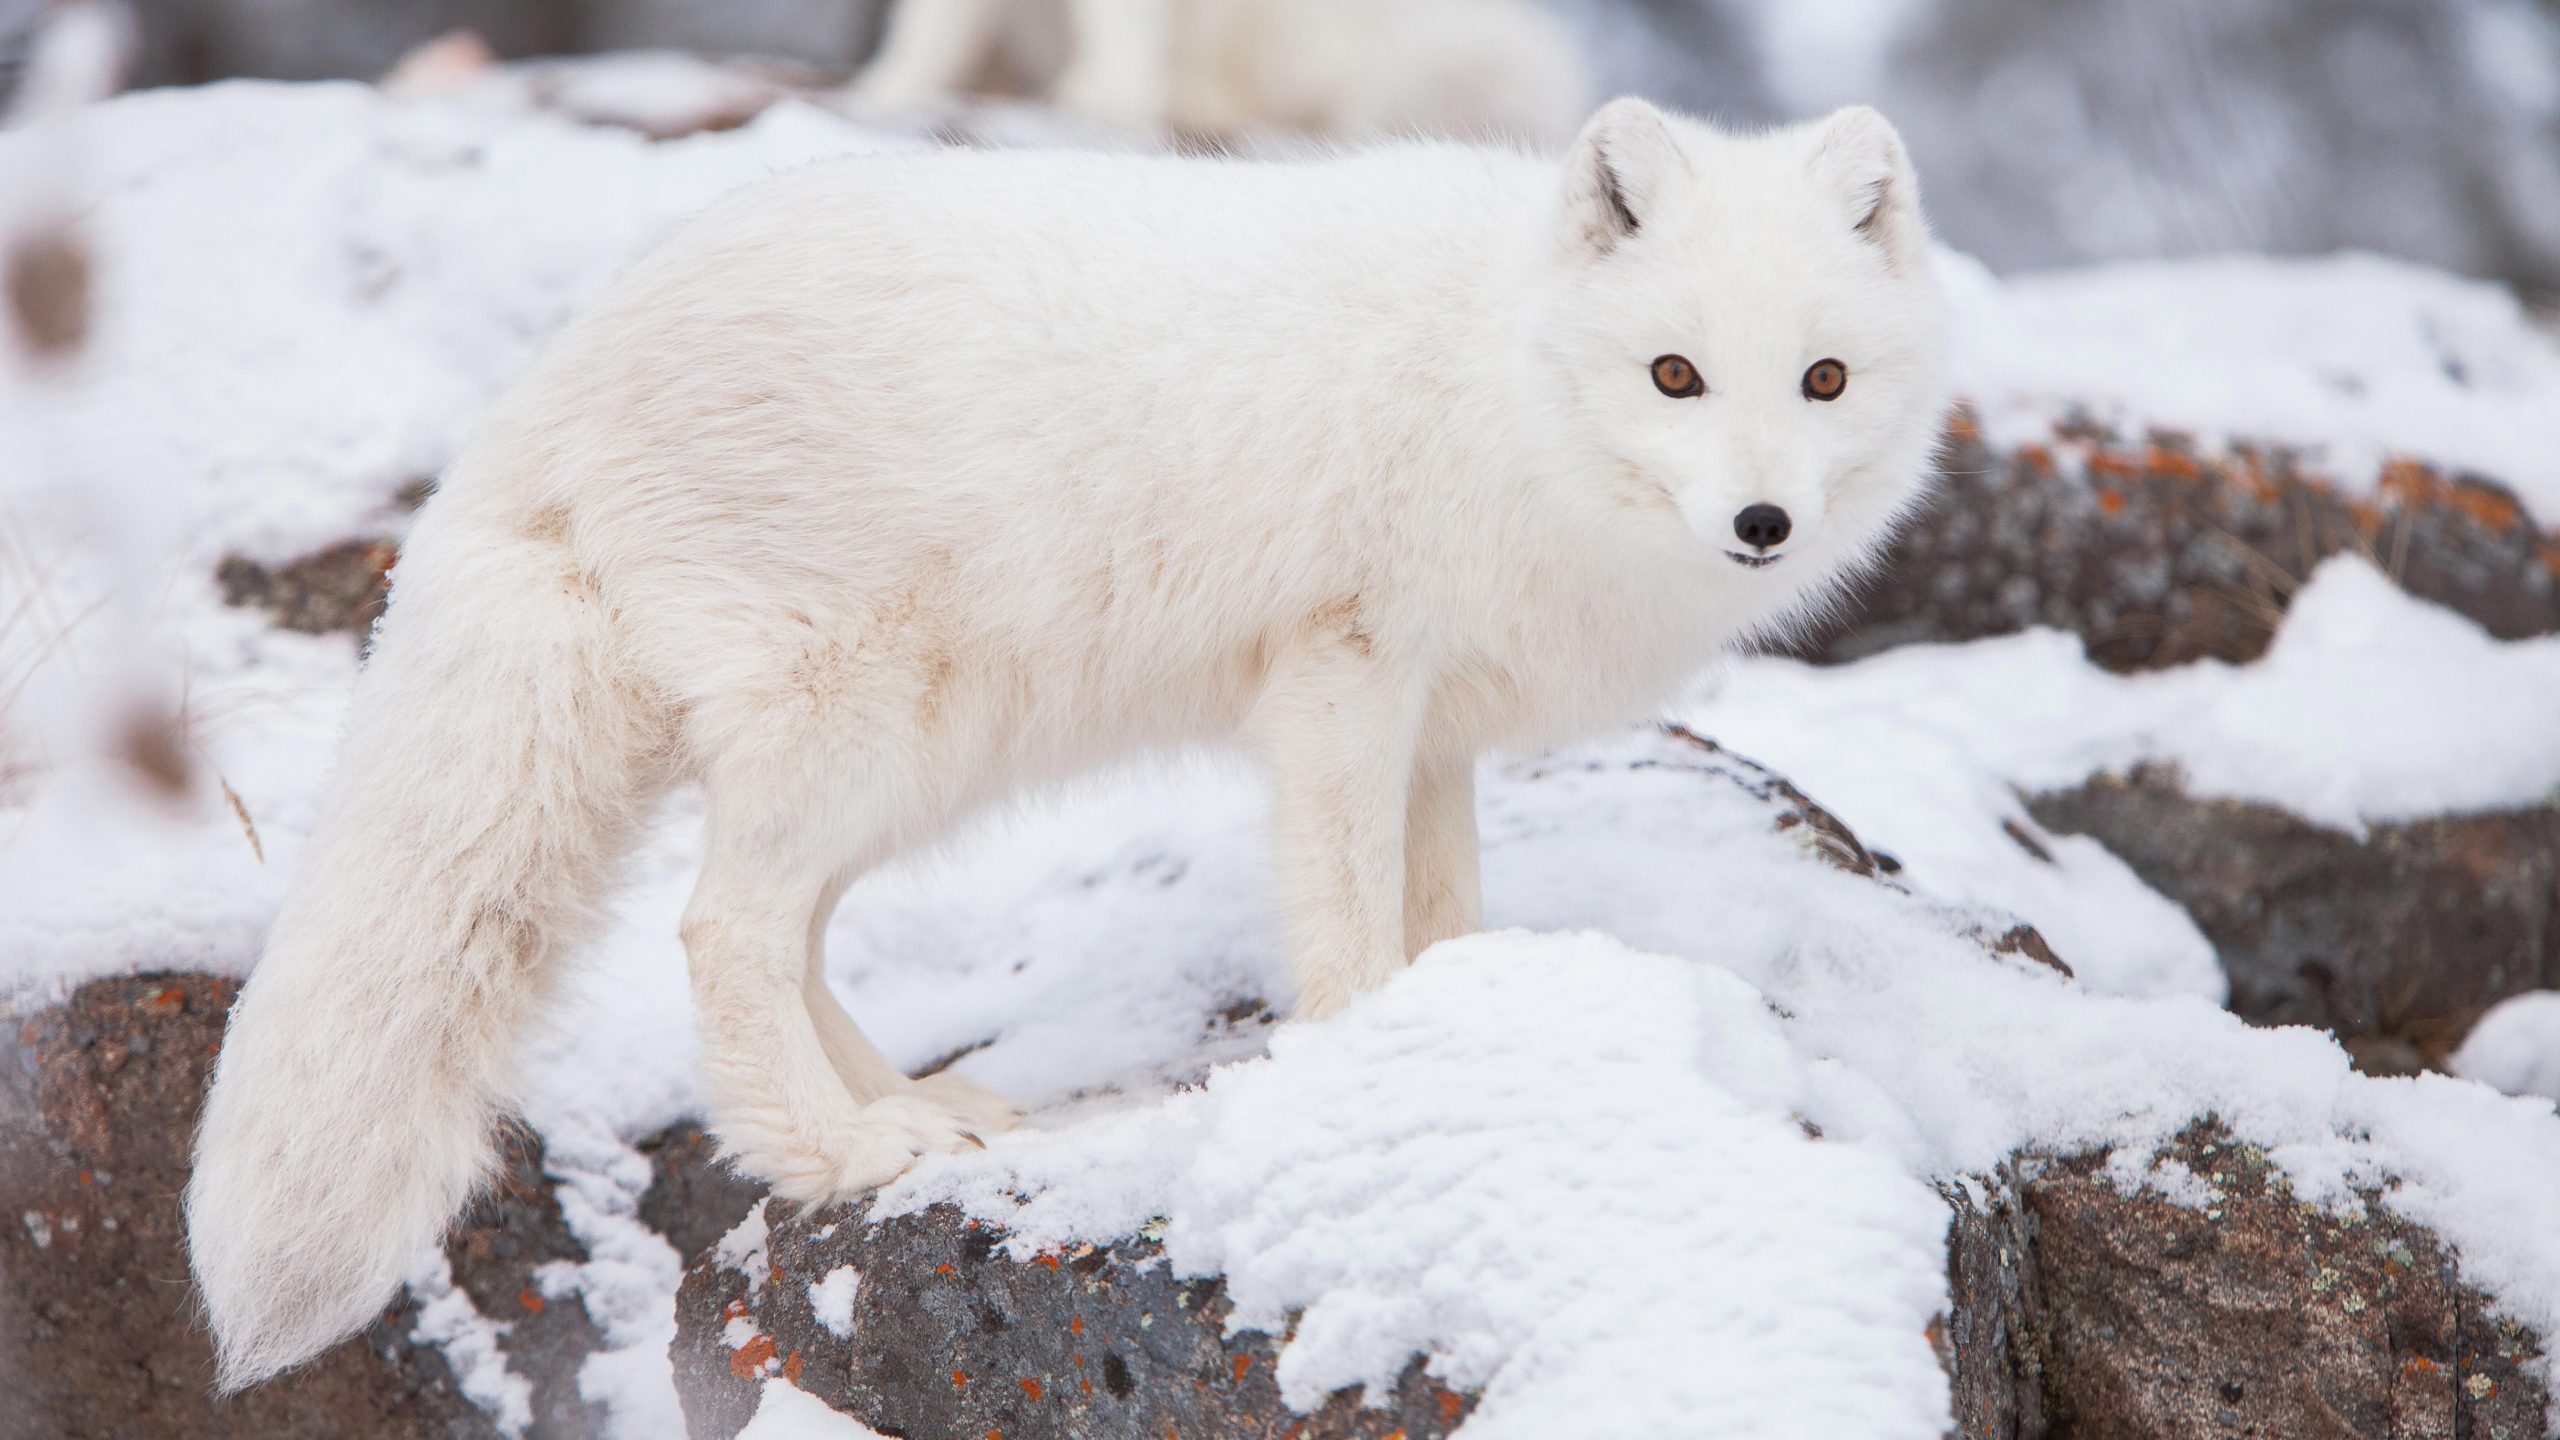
[{"x": 1546, "y": 1185}]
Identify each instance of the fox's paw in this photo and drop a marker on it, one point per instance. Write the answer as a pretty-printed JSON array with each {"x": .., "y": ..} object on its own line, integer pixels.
[
  {"x": 983, "y": 1112},
  {"x": 872, "y": 1145}
]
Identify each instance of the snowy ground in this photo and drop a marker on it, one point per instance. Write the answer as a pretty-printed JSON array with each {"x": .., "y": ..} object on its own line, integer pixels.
[{"x": 307, "y": 294}]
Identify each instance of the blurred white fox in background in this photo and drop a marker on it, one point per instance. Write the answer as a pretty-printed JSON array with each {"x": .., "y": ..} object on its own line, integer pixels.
[
  {"x": 1471, "y": 69},
  {"x": 899, "y": 484}
]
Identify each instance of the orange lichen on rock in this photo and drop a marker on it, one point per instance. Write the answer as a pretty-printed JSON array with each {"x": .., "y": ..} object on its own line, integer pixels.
[
  {"x": 1243, "y": 1363},
  {"x": 2177, "y": 464},
  {"x": 1031, "y": 1387},
  {"x": 748, "y": 1360},
  {"x": 2110, "y": 501},
  {"x": 530, "y": 1301},
  {"x": 2114, "y": 464},
  {"x": 791, "y": 1367}
]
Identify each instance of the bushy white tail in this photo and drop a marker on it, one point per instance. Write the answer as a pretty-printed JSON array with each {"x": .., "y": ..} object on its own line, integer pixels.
[{"x": 493, "y": 764}]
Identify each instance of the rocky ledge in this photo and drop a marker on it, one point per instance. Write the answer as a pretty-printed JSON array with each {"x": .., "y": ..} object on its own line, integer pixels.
[{"x": 2081, "y": 1306}]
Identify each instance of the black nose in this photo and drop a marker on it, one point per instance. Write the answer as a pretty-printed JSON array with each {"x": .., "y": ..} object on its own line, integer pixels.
[{"x": 1762, "y": 526}]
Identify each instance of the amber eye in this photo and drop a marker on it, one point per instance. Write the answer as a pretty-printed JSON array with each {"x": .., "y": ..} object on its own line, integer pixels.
[
  {"x": 1826, "y": 380},
  {"x": 1674, "y": 376}
]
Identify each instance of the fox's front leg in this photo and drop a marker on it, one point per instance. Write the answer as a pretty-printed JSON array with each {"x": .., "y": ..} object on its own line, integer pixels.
[
  {"x": 1120, "y": 62},
  {"x": 931, "y": 50},
  {"x": 1337, "y": 727},
  {"x": 1443, "y": 887}
]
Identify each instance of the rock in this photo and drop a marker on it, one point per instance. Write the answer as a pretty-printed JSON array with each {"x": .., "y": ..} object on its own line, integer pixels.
[
  {"x": 341, "y": 588},
  {"x": 99, "y": 1330},
  {"x": 2156, "y": 555},
  {"x": 950, "y": 1335},
  {"x": 2111, "y": 1315},
  {"x": 693, "y": 1199},
  {"x": 2395, "y": 942},
  {"x": 2075, "y": 1310},
  {"x": 99, "y": 1333}
]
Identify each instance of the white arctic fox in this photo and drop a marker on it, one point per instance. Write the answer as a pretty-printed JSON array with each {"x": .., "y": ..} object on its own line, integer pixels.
[
  {"x": 897, "y": 484},
  {"x": 1478, "y": 68}
]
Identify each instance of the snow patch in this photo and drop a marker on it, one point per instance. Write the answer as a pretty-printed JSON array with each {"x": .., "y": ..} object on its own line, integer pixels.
[
  {"x": 743, "y": 1249},
  {"x": 831, "y": 1300},
  {"x": 2515, "y": 1048},
  {"x": 474, "y": 1345}
]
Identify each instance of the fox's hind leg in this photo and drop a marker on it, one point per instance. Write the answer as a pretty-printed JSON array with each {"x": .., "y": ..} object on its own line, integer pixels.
[
  {"x": 866, "y": 1073},
  {"x": 807, "y": 1104}
]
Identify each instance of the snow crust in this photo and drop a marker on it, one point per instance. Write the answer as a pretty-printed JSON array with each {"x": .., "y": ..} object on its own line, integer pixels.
[
  {"x": 1541, "y": 1155},
  {"x": 831, "y": 1299}
]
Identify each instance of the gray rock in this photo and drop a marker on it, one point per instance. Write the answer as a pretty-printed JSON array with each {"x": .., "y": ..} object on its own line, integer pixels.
[
  {"x": 951, "y": 1337},
  {"x": 2395, "y": 941},
  {"x": 2116, "y": 1317},
  {"x": 100, "y": 1334},
  {"x": 2158, "y": 555},
  {"x": 99, "y": 1331}
]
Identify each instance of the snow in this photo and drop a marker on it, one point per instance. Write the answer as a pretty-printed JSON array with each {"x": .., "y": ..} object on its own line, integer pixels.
[
  {"x": 473, "y": 1344},
  {"x": 1551, "y": 1163},
  {"x": 2369, "y": 707},
  {"x": 2515, "y": 1047},
  {"x": 831, "y": 1300},
  {"x": 1548, "y": 1156},
  {"x": 2355, "y": 359},
  {"x": 743, "y": 1248}
]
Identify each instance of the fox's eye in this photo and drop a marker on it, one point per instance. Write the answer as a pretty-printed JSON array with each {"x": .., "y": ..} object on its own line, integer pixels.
[
  {"x": 1674, "y": 376},
  {"x": 1826, "y": 380}
]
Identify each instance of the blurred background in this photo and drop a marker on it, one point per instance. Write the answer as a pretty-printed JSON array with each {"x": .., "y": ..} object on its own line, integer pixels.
[{"x": 2052, "y": 132}]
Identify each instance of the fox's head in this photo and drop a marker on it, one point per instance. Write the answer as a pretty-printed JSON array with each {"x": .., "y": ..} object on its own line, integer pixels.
[{"x": 1745, "y": 329}]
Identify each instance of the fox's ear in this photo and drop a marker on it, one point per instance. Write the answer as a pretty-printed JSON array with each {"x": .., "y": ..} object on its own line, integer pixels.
[
  {"x": 1625, "y": 160},
  {"x": 1858, "y": 156}
]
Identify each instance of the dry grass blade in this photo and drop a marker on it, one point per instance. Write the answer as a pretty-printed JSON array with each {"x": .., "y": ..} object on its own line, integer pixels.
[{"x": 248, "y": 827}]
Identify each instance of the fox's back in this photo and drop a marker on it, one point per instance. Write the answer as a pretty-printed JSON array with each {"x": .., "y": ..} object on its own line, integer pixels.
[{"x": 1138, "y": 411}]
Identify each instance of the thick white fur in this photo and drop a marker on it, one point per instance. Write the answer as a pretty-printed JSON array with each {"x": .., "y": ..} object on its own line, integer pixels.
[
  {"x": 1470, "y": 68},
  {"x": 901, "y": 483}
]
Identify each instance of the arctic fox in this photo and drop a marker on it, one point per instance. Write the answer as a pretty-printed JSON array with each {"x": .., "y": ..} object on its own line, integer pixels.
[
  {"x": 900, "y": 483},
  {"x": 1471, "y": 68}
]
